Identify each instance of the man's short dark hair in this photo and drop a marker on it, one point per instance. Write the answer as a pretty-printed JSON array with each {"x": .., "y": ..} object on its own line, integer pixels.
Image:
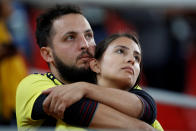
[{"x": 45, "y": 22}]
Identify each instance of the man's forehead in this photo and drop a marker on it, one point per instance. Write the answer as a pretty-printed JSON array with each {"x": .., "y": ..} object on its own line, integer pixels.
[{"x": 72, "y": 23}]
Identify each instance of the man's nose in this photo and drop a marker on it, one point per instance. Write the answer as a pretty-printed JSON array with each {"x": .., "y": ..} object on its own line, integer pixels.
[{"x": 83, "y": 43}]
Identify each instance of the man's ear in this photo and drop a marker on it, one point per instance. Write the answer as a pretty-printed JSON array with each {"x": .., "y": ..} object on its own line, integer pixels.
[
  {"x": 95, "y": 66},
  {"x": 46, "y": 54}
]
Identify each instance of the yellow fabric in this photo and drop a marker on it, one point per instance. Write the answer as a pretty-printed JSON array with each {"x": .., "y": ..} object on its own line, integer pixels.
[
  {"x": 5, "y": 37},
  {"x": 27, "y": 92},
  {"x": 12, "y": 71},
  {"x": 62, "y": 126},
  {"x": 156, "y": 124},
  {"x": 138, "y": 87}
]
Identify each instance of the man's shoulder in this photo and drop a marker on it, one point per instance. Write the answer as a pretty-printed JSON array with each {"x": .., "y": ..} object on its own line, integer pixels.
[
  {"x": 37, "y": 77},
  {"x": 35, "y": 82},
  {"x": 27, "y": 92}
]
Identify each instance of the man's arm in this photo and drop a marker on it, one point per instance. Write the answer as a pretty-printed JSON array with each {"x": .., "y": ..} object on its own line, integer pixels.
[
  {"x": 123, "y": 101},
  {"x": 131, "y": 103},
  {"x": 103, "y": 117},
  {"x": 150, "y": 109},
  {"x": 106, "y": 117},
  {"x": 79, "y": 113},
  {"x": 65, "y": 95}
]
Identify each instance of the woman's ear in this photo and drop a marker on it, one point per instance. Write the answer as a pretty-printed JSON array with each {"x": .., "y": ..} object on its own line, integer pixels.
[
  {"x": 46, "y": 54},
  {"x": 95, "y": 66}
]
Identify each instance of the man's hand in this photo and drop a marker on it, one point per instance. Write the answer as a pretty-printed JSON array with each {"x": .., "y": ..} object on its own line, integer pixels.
[{"x": 61, "y": 97}]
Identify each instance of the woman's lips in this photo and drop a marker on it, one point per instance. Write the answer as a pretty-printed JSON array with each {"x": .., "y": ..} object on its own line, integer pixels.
[{"x": 129, "y": 69}]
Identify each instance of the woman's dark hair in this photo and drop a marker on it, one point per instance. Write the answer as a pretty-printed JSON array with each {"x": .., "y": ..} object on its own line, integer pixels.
[
  {"x": 103, "y": 45},
  {"x": 45, "y": 22}
]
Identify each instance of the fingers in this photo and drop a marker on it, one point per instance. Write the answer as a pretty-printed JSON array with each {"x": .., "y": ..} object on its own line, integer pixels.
[
  {"x": 60, "y": 106},
  {"x": 60, "y": 98},
  {"x": 48, "y": 91},
  {"x": 46, "y": 104},
  {"x": 47, "y": 101},
  {"x": 53, "y": 105},
  {"x": 60, "y": 110}
]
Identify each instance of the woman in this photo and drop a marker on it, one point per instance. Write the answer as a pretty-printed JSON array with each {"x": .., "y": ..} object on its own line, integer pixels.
[{"x": 117, "y": 64}]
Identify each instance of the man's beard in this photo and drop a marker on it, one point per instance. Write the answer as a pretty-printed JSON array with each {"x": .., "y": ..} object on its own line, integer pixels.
[{"x": 74, "y": 74}]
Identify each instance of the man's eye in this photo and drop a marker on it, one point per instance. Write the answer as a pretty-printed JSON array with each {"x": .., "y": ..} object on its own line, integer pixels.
[
  {"x": 120, "y": 51},
  {"x": 70, "y": 38},
  {"x": 89, "y": 36}
]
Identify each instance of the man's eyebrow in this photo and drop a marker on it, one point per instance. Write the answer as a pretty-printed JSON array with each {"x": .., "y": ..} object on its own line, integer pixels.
[
  {"x": 74, "y": 32},
  {"x": 70, "y": 32},
  {"x": 89, "y": 30}
]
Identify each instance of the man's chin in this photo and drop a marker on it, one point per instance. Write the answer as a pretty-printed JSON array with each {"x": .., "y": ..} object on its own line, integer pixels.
[{"x": 83, "y": 66}]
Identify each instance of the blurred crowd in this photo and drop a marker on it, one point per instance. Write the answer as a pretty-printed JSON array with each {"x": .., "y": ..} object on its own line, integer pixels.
[{"x": 167, "y": 38}]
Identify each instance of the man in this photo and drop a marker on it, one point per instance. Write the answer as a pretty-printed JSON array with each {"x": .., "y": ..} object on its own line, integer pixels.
[{"x": 66, "y": 43}]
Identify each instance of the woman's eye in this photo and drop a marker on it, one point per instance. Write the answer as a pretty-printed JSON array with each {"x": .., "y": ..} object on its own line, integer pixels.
[{"x": 137, "y": 58}]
